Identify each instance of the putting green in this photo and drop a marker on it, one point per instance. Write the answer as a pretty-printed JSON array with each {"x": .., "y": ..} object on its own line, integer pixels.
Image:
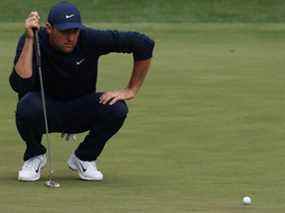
[{"x": 206, "y": 129}]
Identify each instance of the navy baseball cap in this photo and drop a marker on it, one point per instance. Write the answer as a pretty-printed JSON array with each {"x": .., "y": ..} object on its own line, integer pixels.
[{"x": 64, "y": 16}]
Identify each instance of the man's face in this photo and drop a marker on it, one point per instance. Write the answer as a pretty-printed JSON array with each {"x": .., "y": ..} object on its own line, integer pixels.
[{"x": 65, "y": 40}]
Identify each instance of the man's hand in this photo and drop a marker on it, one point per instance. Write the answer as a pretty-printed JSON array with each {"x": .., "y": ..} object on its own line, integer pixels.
[
  {"x": 112, "y": 97},
  {"x": 24, "y": 65},
  {"x": 140, "y": 70},
  {"x": 33, "y": 21}
]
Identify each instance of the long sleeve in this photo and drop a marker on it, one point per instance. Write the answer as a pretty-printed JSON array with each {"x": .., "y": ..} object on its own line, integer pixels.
[
  {"x": 18, "y": 84},
  {"x": 106, "y": 41}
]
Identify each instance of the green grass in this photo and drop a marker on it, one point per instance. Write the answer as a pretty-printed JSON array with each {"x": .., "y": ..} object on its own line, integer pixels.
[
  {"x": 206, "y": 129},
  {"x": 156, "y": 10}
]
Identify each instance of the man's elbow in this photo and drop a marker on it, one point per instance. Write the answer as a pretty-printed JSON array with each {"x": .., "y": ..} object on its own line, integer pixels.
[
  {"x": 19, "y": 84},
  {"x": 13, "y": 83},
  {"x": 149, "y": 45}
]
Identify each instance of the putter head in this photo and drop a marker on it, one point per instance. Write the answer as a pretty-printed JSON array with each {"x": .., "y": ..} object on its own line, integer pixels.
[{"x": 52, "y": 184}]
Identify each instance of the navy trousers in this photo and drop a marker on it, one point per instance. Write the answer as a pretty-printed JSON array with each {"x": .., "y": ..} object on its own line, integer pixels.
[{"x": 75, "y": 116}]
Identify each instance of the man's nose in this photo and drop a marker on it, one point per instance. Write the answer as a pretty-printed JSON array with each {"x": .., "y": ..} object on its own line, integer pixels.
[{"x": 70, "y": 37}]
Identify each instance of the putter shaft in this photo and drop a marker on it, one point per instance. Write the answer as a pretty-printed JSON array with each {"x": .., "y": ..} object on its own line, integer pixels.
[{"x": 38, "y": 63}]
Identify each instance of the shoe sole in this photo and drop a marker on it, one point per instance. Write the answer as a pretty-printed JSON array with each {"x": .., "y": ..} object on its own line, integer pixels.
[
  {"x": 88, "y": 179},
  {"x": 29, "y": 180},
  {"x": 81, "y": 176}
]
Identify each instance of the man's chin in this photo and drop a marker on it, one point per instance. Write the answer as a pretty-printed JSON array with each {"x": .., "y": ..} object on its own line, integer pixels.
[{"x": 67, "y": 49}]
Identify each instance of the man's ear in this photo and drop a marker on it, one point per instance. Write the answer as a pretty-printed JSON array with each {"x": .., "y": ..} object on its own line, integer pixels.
[{"x": 48, "y": 27}]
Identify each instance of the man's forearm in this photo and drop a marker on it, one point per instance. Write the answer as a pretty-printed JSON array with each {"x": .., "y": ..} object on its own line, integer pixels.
[
  {"x": 24, "y": 67},
  {"x": 139, "y": 73}
]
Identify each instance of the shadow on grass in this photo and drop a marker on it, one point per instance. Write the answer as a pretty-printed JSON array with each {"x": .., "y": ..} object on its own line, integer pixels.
[{"x": 72, "y": 180}]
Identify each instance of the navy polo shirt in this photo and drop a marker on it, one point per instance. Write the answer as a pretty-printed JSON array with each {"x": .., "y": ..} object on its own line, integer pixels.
[{"x": 71, "y": 75}]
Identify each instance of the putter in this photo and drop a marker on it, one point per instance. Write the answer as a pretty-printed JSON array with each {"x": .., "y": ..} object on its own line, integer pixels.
[{"x": 50, "y": 183}]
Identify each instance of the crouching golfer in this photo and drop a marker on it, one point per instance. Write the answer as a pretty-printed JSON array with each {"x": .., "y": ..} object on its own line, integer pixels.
[{"x": 70, "y": 53}]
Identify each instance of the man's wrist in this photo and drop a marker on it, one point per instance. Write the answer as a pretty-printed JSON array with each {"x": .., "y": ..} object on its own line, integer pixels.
[
  {"x": 132, "y": 91},
  {"x": 28, "y": 37}
]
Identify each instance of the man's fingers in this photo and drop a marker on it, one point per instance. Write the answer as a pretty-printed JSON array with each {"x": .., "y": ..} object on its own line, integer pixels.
[
  {"x": 33, "y": 21},
  {"x": 103, "y": 99},
  {"x": 35, "y": 14},
  {"x": 114, "y": 100},
  {"x": 106, "y": 97},
  {"x": 114, "y": 96}
]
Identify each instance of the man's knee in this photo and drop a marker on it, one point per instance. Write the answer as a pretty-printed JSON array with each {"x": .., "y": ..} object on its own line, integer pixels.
[
  {"x": 119, "y": 110},
  {"x": 29, "y": 108}
]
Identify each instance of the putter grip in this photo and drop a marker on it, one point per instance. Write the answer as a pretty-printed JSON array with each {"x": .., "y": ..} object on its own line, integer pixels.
[
  {"x": 37, "y": 47},
  {"x": 35, "y": 31}
]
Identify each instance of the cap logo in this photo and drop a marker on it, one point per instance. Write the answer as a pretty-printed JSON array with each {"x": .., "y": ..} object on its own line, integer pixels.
[
  {"x": 69, "y": 16},
  {"x": 65, "y": 16}
]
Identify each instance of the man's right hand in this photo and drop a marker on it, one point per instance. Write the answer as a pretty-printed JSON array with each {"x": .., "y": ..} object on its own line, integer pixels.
[{"x": 33, "y": 21}]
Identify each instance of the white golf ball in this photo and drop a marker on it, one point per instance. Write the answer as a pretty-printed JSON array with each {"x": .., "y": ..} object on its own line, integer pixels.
[{"x": 246, "y": 200}]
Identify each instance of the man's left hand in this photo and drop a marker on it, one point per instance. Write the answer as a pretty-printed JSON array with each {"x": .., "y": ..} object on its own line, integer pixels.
[{"x": 112, "y": 97}]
